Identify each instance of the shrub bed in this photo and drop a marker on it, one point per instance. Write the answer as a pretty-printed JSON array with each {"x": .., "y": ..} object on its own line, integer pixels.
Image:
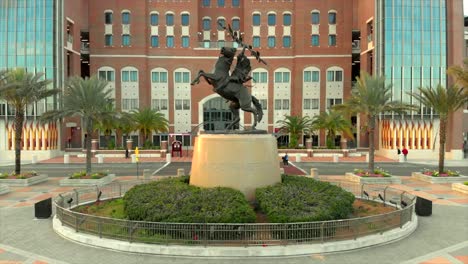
[
  {"x": 174, "y": 200},
  {"x": 300, "y": 199}
]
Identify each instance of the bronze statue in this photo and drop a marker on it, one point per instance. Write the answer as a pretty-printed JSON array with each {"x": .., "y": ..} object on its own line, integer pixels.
[{"x": 231, "y": 87}]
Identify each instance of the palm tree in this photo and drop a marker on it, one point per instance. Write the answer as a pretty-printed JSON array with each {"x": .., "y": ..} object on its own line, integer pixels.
[
  {"x": 89, "y": 99},
  {"x": 294, "y": 126},
  {"x": 125, "y": 124},
  {"x": 460, "y": 74},
  {"x": 148, "y": 120},
  {"x": 371, "y": 97},
  {"x": 20, "y": 89},
  {"x": 444, "y": 102},
  {"x": 333, "y": 122},
  {"x": 107, "y": 125}
]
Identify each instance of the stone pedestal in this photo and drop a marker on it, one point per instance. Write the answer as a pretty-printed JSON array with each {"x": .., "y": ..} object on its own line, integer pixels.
[
  {"x": 308, "y": 144},
  {"x": 129, "y": 144},
  {"x": 164, "y": 145},
  {"x": 240, "y": 161},
  {"x": 344, "y": 143},
  {"x": 94, "y": 144}
]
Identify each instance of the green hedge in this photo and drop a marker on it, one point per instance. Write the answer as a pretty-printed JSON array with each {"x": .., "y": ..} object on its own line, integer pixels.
[
  {"x": 173, "y": 200},
  {"x": 301, "y": 199}
]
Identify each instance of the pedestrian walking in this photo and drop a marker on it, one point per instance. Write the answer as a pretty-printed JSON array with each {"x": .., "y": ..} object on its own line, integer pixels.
[
  {"x": 286, "y": 159},
  {"x": 405, "y": 153}
]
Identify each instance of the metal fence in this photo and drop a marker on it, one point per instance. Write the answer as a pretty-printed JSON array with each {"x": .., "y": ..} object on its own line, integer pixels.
[{"x": 233, "y": 234}]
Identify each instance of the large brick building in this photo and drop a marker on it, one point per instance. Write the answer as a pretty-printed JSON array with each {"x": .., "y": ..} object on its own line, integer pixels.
[{"x": 150, "y": 50}]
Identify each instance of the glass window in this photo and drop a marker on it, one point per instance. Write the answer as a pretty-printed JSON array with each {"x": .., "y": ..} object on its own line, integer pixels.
[
  {"x": 338, "y": 76},
  {"x": 307, "y": 76},
  {"x": 178, "y": 104},
  {"x": 221, "y": 23},
  {"x": 155, "y": 77},
  {"x": 235, "y": 3},
  {"x": 263, "y": 77},
  {"x": 186, "y": 104},
  {"x": 185, "y": 19},
  {"x": 256, "y": 19},
  {"x": 133, "y": 76},
  {"x": 125, "y": 76},
  {"x": 206, "y": 24},
  {"x": 331, "y": 40},
  {"x": 271, "y": 42},
  {"x": 221, "y": 3},
  {"x": 185, "y": 41},
  {"x": 286, "y": 41},
  {"x": 277, "y": 104},
  {"x": 154, "y": 41},
  {"x": 278, "y": 77},
  {"x": 154, "y": 19},
  {"x": 330, "y": 76},
  {"x": 108, "y": 19},
  {"x": 126, "y": 40},
  {"x": 170, "y": 41},
  {"x": 315, "y": 76},
  {"x": 287, "y": 19},
  {"x": 315, "y": 104},
  {"x": 125, "y": 18},
  {"x": 285, "y": 104},
  {"x": 169, "y": 19},
  {"x": 315, "y": 18},
  {"x": 235, "y": 24},
  {"x": 185, "y": 77},
  {"x": 332, "y": 18},
  {"x": 206, "y": 3},
  {"x": 306, "y": 104},
  {"x": 256, "y": 41},
  {"x": 271, "y": 19},
  {"x": 108, "y": 40},
  {"x": 315, "y": 41}
]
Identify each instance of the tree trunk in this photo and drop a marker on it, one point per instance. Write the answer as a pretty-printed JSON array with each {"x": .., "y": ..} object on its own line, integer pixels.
[
  {"x": 443, "y": 124},
  {"x": 19, "y": 119},
  {"x": 371, "y": 126},
  {"x": 89, "y": 131}
]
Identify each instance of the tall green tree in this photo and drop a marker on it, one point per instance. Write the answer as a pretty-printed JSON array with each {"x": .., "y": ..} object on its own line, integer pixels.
[
  {"x": 444, "y": 102},
  {"x": 125, "y": 124},
  {"x": 86, "y": 98},
  {"x": 371, "y": 97},
  {"x": 333, "y": 122},
  {"x": 148, "y": 120},
  {"x": 294, "y": 126},
  {"x": 107, "y": 125},
  {"x": 20, "y": 89}
]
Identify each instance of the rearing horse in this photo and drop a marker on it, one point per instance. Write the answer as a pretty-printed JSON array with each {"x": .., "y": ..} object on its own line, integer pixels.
[{"x": 232, "y": 89}]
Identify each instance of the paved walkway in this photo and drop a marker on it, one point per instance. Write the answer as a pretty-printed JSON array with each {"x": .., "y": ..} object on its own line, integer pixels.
[{"x": 441, "y": 238}]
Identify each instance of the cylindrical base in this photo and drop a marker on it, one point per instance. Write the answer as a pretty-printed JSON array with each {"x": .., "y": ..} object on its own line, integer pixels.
[{"x": 243, "y": 162}]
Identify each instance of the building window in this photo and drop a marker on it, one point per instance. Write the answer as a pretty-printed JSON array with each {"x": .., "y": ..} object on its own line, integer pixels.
[
  {"x": 315, "y": 40},
  {"x": 256, "y": 41},
  {"x": 311, "y": 76},
  {"x": 159, "y": 77},
  {"x": 154, "y": 19},
  {"x": 125, "y": 18},
  {"x": 186, "y": 104},
  {"x": 185, "y": 19},
  {"x": 286, "y": 41},
  {"x": 286, "y": 19},
  {"x": 206, "y": 24},
  {"x": 129, "y": 76},
  {"x": 306, "y": 104},
  {"x": 259, "y": 77},
  {"x": 170, "y": 41},
  {"x": 235, "y": 3},
  {"x": 333, "y": 101},
  {"x": 264, "y": 103},
  {"x": 277, "y": 104},
  {"x": 126, "y": 40},
  {"x": 235, "y": 24},
  {"x": 154, "y": 41},
  {"x": 182, "y": 77},
  {"x": 256, "y": 19},
  {"x": 221, "y": 3},
  {"x": 331, "y": 40},
  {"x": 315, "y": 18},
  {"x": 311, "y": 104},
  {"x": 271, "y": 42},
  {"x": 282, "y": 77},
  {"x": 271, "y": 19},
  {"x": 221, "y": 23},
  {"x": 178, "y": 104},
  {"x": 332, "y": 18},
  {"x": 108, "y": 40},
  {"x": 169, "y": 19},
  {"x": 334, "y": 76},
  {"x": 206, "y": 3},
  {"x": 185, "y": 41},
  {"x": 107, "y": 75},
  {"x": 285, "y": 104},
  {"x": 108, "y": 18},
  {"x": 129, "y": 104}
]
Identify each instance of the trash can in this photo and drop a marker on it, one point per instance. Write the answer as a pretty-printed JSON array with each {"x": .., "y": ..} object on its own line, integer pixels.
[
  {"x": 423, "y": 206},
  {"x": 43, "y": 209}
]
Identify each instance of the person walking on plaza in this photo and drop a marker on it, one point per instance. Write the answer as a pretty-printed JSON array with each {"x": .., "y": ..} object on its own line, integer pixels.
[
  {"x": 405, "y": 153},
  {"x": 285, "y": 159}
]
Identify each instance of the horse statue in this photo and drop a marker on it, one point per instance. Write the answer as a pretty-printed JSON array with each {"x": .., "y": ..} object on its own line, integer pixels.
[{"x": 231, "y": 87}]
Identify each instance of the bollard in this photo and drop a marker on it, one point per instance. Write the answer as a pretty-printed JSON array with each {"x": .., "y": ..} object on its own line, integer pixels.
[
  {"x": 34, "y": 159},
  {"x": 168, "y": 157},
  {"x": 180, "y": 172},
  {"x": 66, "y": 159},
  {"x": 146, "y": 174},
  {"x": 100, "y": 158},
  {"x": 314, "y": 172},
  {"x": 367, "y": 157},
  {"x": 298, "y": 158},
  {"x": 335, "y": 158},
  {"x": 133, "y": 158}
]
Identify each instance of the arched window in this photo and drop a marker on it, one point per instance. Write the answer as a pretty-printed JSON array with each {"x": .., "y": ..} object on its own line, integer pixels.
[
  {"x": 272, "y": 19},
  {"x": 221, "y": 22},
  {"x": 185, "y": 19},
  {"x": 286, "y": 19},
  {"x": 169, "y": 19},
  {"x": 206, "y": 24},
  {"x": 256, "y": 19},
  {"x": 154, "y": 19},
  {"x": 235, "y": 24},
  {"x": 332, "y": 17},
  {"x": 125, "y": 18},
  {"x": 315, "y": 17},
  {"x": 108, "y": 17}
]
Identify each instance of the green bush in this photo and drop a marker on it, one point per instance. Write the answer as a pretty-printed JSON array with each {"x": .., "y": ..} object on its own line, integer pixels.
[
  {"x": 111, "y": 144},
  {"x": 300, "y": 199},
  {"x": 174, "y": 200}
]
